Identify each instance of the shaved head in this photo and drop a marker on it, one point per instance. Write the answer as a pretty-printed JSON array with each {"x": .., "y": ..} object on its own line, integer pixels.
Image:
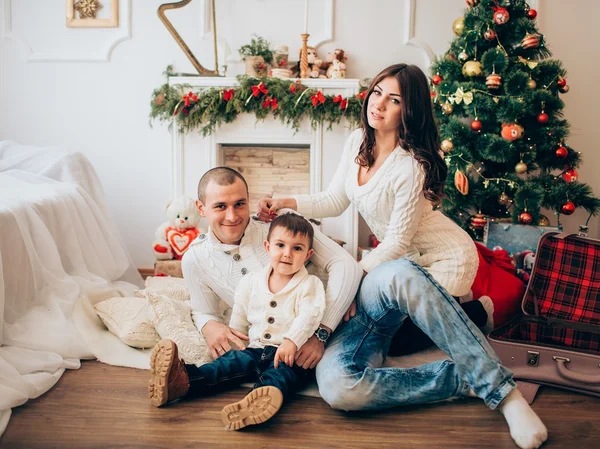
[{"x": 223, "y": 176}]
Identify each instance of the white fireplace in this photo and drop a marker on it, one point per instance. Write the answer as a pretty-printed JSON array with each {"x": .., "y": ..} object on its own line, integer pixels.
[{"x": 193, "y": 154}]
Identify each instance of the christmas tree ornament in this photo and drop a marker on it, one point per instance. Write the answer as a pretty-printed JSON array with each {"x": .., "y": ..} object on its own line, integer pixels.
[
  {"x": 544, "y": 221},
  {"x": 562, "y": 82},
  {"x": 478, "y": 221},
  {"x": 531, "y": 41},
  {"x": 463, "y": 56},
  {"x": 525, "y": 217},
  {"x": 562, "y": 152},
  {"x": 570, "y": 175},
  {"x": 476, "y": 125},
  {"x": 504, "y": 199},
  {"x": 461, "y": 182},
  {"x": 531, "y": 14},
  {"x": 472, "y": 3},
  {"x": 458, "y": 26},
  {"x": 511, "y": 131},
  {"x": 564, "y": 89},
  {"x": 436, "y": 79},
  {"x": 447, "y": 108},
  {"x": 489, "y": 35},
  {"x": 543, "y": 118},
  {"x": 493, "y": 81},
  {"x": 447, "y": 145},
  {"x": 501, "y": 16},
  {"x": 521, "y": 168},
  {"x": 472, "y": 69},
  {"x": 568, "y": 208},
  {"x": 531, "y": 84}
]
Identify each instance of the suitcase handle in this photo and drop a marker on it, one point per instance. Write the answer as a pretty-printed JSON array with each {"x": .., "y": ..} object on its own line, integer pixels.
[{"x": 566, "y": 373}]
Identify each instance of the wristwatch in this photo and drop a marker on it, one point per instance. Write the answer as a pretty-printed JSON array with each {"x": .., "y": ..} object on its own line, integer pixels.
[{"x": 322, "y": 334}]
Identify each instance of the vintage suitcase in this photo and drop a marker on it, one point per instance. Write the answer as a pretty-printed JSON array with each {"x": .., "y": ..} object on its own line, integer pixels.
[{"x": 557, "y": 340}]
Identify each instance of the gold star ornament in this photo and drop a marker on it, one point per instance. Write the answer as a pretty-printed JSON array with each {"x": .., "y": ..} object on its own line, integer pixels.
[{"x": 87, "y": 9}]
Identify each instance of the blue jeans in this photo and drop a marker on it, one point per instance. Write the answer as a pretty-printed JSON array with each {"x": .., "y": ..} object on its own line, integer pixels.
[
  {"x": 350, "y": 375},
  {"x": 249, "y": 365}
]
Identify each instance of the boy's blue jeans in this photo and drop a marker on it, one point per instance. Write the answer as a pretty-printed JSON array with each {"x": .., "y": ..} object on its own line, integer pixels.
[
  {"x": 350, "y": 375},
  {"x": 249, "y": 365}
]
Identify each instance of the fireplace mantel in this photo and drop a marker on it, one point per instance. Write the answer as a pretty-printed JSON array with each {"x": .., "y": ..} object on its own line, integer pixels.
[{"x": 193, "y": 154}]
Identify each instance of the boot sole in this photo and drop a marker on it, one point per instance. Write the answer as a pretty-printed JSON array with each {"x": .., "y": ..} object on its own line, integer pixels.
[
  {"x": 257, "y": 407},
  {"x": 161, "y": 359}
]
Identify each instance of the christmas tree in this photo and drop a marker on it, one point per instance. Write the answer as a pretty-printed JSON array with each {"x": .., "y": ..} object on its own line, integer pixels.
[{"x": 497, "y": 97}]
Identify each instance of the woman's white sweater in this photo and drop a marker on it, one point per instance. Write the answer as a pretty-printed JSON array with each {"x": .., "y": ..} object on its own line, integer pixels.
[{"x": 403, "y": 220}]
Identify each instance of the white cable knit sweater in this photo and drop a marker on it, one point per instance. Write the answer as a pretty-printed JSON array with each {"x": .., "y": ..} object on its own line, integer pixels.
[
  {"x": 403, "y": 220},
  {"x": 294, "y": 312}
]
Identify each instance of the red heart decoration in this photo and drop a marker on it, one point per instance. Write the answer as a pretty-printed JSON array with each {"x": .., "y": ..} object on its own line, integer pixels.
[{"x": 181, "y": 240}]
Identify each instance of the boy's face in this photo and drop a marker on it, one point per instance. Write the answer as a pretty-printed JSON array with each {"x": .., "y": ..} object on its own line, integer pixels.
[
  {"x": 227, "y": 211},
  {"x": 287, "y": 252}
]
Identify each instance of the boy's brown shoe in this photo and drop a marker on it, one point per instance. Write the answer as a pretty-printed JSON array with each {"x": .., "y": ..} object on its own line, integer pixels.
[
  {"x": 168, "y": 379},
  {"x": 257, "y": 407}
]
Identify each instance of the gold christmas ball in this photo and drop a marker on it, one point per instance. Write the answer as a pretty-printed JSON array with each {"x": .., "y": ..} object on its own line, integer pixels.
[
  {"x": 447, "y": 145},
  {"x": 564, "y": 89},
  {"x": 447, "y": 108},
  {"x": 458, "y": 26},
  {"x": 521, "y": 168},
  {"x": 544, "y": 221},
  {"x": 504, "y": 199},
  {"x": 531, "y": 84},
  {"x": 472, "y": 68}
]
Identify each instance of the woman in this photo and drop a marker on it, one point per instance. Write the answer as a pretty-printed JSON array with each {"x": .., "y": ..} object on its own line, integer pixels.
[{"x": 393, "y": 172}]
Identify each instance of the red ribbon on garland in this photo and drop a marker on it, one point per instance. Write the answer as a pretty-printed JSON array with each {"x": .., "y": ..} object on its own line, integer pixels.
[
  {"x": 342, "y": 101},
  {"x": 256, "y": 90},
  {"x": 228, "y": 94},
  {"x": 270, "y": 102},
  {"x": 189, "y": 98},
  {"x": 317, "y": 98}
]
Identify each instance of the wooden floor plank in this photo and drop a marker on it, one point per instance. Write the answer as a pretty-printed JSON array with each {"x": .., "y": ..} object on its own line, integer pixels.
[{"x": 102, "y": 406}]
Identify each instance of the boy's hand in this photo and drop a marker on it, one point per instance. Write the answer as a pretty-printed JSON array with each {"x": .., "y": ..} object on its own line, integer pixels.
[{"x": 285, "y": 353}]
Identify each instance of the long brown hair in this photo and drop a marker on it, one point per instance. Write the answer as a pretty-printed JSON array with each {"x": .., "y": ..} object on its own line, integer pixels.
[{"x": 417, "y": 131}]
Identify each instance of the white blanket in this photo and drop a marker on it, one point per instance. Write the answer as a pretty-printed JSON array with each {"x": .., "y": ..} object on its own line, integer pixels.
[{"x": 60, "y": 253}]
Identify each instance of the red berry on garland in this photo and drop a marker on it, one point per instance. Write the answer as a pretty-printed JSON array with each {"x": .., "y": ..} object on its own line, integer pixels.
[
  {"x": 531, "y": 14},
  {"x": 489, "y": 35},
  {"x": 543, "y": 118},
  {"x": 568, "y": 208},
  {"x": 525, "y": 218},
  {"x": 562, "y": 152},
  {"x": 562, "y": 82},
  {"x": 476, "y": 125},
  {"x": 570, "y": 175},
  {"x": 501, "y": 16},
  {"x": 436, "y": 79}
]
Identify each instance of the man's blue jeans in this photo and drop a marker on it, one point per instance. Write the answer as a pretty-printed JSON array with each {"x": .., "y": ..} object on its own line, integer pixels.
[
  {"x": 249, "y": 365},
  {"x": 350, "y": 375}
]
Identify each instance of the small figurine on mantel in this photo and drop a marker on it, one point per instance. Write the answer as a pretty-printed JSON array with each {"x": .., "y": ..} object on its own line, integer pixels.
[
  {"x": 336, "y": 64},
  {"x": 316, "y": 66}
]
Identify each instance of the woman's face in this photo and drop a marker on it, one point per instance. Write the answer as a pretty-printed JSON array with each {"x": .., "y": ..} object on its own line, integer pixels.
[{"x": 384, "y": 108}]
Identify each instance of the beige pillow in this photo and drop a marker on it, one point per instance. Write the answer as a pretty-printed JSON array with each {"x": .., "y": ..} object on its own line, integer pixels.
[
  {"x": 165, "y": 285},
  {"x": 130, "y": 319},
  {"x": 174, "y": 321}
]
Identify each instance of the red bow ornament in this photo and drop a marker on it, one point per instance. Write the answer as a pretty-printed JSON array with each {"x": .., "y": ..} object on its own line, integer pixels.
[
  {"x": 317, "y": 98},
  {"x": 270, "y": 102},
  {"x": 228, "y": 94},
  {"x": 342, "y": 101},
  {"x": 257, "y": 90},
  {"x": 361, "y": 95},
  {"x": 189, "y": 98}
]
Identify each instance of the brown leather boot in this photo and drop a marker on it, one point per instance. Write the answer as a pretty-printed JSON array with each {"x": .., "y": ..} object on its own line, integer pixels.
[{"x": 169, "y": 379}]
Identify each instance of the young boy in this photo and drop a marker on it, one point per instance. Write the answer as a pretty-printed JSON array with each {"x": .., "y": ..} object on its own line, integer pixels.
[{"x": 279, "y": 308}]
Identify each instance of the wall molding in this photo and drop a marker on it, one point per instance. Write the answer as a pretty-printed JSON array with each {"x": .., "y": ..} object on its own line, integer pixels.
[
  {"x": 99, "y": 56},
  {"x": 409, "y": 36}
]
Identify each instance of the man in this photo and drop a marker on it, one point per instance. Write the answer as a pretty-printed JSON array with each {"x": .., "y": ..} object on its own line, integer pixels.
[{"x": 233, "y": 246}]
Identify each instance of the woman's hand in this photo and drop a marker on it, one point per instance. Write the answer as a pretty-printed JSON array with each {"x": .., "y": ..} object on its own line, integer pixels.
[{"x": 267, "y": 208}]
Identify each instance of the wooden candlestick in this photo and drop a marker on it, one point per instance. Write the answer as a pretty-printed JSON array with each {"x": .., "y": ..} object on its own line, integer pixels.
[{"x": 304, "y": 73}]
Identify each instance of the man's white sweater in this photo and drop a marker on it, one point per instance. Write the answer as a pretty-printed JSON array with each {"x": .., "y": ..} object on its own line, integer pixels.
[
  {"x": 403, "y": 220},
  {"x": 267, "y": 318}
]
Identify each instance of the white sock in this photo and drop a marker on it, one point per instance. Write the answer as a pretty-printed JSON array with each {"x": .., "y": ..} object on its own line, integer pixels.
[
  {"x": 526, "y": 428},
  {"x": 488, "y": 306}
]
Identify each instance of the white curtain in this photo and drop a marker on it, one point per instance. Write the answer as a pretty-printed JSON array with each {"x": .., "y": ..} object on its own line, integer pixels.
[{"x": 60, "y": 253}]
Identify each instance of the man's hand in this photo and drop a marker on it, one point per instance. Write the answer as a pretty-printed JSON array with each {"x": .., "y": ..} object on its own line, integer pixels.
[
  {"x": 218, "y": 336},
  {"x": 310, "y": 353},
  {"x": 285, "y": 353},
  {"x": 351, "y": 311}
]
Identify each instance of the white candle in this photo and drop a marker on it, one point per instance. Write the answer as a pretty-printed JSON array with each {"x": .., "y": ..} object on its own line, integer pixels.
[{"x": 306, "y": 17}]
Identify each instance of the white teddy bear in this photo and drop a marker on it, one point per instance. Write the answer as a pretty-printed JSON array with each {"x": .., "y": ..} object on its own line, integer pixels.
[{"x": 174, "y": 236}]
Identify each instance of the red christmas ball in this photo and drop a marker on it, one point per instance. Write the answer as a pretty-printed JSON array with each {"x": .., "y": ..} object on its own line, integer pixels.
[
  {"x": 525, "y": 218},
  {"x": 562, "y": 82},
  {"x": 478, "y": 221},
  {"x": 489, "y": 35},
  {"x": 436, "y": 79},
  {"x": 531, "y": 14},
  {"x": 570, "y": 175},
  {"x": 568, "y": 208},
  {"x": 476, "y": 125},
  {"x": 543, "y": 118},
  {"x": 562, "y": 152},
  {"x": 501, "y": 16}
]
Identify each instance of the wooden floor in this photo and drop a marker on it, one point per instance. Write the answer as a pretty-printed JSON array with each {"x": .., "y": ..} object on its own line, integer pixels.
[{"x": 101, "y": 406}]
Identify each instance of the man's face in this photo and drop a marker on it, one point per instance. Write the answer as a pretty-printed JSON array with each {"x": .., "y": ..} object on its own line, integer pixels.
[{"x": 227, "y": 211}]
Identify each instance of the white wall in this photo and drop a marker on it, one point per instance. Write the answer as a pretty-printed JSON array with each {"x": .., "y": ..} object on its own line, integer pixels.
[{"x": 101, "y": 108}]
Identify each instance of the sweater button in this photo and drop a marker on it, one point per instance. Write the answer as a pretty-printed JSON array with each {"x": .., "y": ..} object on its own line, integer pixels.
[
  {"x": 271, "y": 320},
  {"x": 273, "y": 303},
  {"x": 236, "y": 257},
  {"x": 244, "y": 271},
  {"x": 267, "y": 336}
]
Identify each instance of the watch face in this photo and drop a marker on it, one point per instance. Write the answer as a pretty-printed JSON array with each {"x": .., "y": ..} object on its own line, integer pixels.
[{"x": 322, "y": 334}]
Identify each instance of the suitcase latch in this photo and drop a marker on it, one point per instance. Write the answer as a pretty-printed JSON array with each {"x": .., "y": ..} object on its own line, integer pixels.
[{"x": 533, "y": 358}]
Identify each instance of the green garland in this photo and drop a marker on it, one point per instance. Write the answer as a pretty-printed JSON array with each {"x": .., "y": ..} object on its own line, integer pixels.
[{"x": 290, "y": 102}]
